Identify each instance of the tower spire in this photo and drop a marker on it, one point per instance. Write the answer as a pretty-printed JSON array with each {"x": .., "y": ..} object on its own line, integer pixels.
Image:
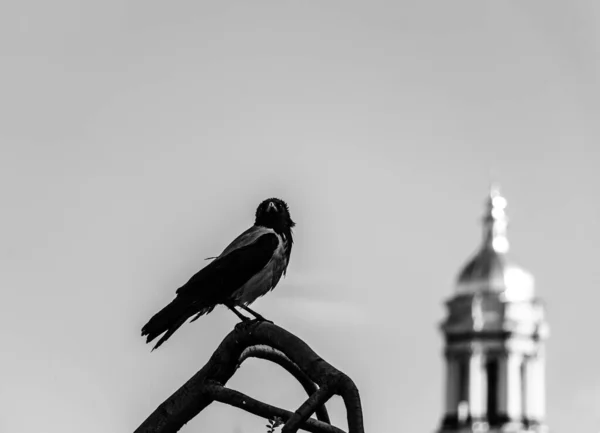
[
  {"x": 495, "y": 222},
  {"x": 494, "y": 340}
]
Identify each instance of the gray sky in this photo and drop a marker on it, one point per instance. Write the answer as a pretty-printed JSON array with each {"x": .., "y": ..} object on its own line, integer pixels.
[{"x": 137, "y": 138}]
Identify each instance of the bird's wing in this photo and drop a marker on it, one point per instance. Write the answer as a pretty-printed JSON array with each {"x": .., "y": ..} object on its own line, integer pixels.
[
  {"x": 241, "y": 260},
  {"x": 246, "y": 238}
]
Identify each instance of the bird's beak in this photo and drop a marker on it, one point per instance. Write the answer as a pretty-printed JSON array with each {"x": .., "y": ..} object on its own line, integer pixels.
[{"x": 272, "y": 207}]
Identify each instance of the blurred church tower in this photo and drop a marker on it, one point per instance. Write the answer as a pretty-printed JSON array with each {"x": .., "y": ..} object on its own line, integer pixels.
[{"x": 494, "y": 340}]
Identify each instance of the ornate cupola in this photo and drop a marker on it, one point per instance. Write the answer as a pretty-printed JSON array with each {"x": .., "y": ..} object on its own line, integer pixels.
[
  {"x": 494, "y": 339},
  {"x": 490, "y": 270}
]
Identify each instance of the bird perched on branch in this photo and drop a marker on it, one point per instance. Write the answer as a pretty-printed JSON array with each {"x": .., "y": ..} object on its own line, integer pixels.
[{"x": 247, "y": 269}]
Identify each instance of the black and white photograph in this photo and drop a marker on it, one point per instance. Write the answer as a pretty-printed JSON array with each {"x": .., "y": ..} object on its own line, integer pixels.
[{"x": 272, "y": 216}]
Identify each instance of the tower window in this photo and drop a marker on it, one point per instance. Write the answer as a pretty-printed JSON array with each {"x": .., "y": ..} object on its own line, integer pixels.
[
  {"x": 492, "y": 388},
  {"x": 524, "y": 391},
  {"x": 463, "y": 380}
]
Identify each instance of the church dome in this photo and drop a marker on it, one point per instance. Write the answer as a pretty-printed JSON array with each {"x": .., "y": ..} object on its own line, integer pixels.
[{"x": 490, "y": 270}]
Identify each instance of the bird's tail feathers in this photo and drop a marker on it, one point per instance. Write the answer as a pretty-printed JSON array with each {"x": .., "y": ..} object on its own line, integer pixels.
[
  {"x": 166, "y": 320},
  {"x": 169, "y": 319},
  {"x": 202, "y": 312},
  {"x": 174, "y": 327}
]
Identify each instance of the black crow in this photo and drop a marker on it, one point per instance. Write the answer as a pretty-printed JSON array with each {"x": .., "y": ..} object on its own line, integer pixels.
[{"x": 247, "y": 269}]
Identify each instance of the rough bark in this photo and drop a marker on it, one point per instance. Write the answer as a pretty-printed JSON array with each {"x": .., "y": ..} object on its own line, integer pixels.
[{"x": 268, "y": 341}]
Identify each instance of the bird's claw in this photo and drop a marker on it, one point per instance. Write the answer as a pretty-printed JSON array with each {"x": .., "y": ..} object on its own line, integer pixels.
[
  {"x": 241, "y": 324},
  {"x": 260, "y": 318}
]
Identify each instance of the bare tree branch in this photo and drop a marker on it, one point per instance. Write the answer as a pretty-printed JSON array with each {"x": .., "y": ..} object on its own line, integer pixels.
[
  {"x": 242, "y": 401},
  {"x": 191, "y": 398},
  {"x": 349, "y": 392},
  {"x": 278, "y": 357},
  {"x": 318, "y": 399}
]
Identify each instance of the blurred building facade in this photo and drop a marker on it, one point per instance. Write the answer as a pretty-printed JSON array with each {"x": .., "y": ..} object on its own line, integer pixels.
[{"x": 494, "y": 337}]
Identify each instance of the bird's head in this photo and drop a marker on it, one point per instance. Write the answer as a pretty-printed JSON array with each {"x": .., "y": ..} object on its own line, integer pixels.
[{"x": 274, "y": 214}]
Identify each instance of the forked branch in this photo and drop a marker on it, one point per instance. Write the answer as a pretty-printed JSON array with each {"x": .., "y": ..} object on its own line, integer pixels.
[
  {"x": 242, "y": 401},
  {"x": 278, "y": 357},
  {"x": 267, "y": 341}
]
